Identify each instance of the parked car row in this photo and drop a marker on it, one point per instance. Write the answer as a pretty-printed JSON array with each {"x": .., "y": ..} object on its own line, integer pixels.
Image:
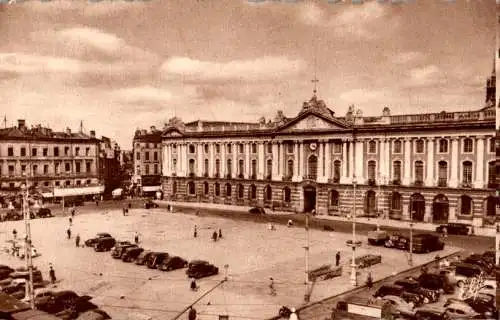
[
  {"x": 63, "y": 304},
  {"x": 421, "y": 243},
  {"x": 15, "y": 214},
  {"x": 129, "y": 252}
]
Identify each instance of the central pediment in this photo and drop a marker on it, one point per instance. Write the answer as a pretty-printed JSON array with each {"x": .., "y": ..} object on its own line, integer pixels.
[{"x": 312, "y": 122}]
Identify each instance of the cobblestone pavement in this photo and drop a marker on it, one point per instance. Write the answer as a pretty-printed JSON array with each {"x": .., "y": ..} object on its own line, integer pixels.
[{"x": 252, "y": 252}]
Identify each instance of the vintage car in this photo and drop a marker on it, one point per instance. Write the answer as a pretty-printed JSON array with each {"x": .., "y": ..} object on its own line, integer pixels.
[
  {"x": 325, "y": 272},
  {"x": 131, "y": 254},
  {"x": 454, "y": 228},
  {"x": 44, "y": 213},
  {"x": 368, "y": 260},
  {"x": 376, "y": 238},
  {"x": 104, "y": 244},
  {"x": 90, "y": 242},
  {"x": 173, "y": 263},
  {"x": 393, "y": 241},
  {"x": 150, "y": 204},
  {"x": 199, "y": 269},
  {"x": 156, "y": 259},
  {"x": 143, "y": 257}
]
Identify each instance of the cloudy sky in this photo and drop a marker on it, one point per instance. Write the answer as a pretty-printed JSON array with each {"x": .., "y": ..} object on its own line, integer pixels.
[{"x": 120, "y": 65}]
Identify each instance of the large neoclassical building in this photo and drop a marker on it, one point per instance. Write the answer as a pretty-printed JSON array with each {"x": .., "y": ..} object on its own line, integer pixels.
[{"x": 429, "y": 167}]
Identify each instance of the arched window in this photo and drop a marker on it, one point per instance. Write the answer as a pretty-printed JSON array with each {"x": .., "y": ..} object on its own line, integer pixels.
[
  {"x": 268, "y": 193},
  {"x": 228, "y": 189},
  {"x": 289, "y": 170},
  {"x": 465, "y": 205},
  {"x": 419, "y": 147},
  {"x": 269, "y": 168},
  {"x": 217, "y": 189},
  {"x": 442, "y": 173},
  {"x": 372, "y": 146},
  {"x": 205, "y": 188},
  {"x": 312, "y": 167},
  {"x": 254, "y": 169},
  {"x": 490, "y": 206},
  {"x": 419, "y": 171},
  {"x": 229, "y": 167},
  {"x": 396, "y": 171},
  {"x": 287, "y": 194},
  {"x": 467, "y": 173},
  {"x": 468, "y": 145},
  {"x": 396, "y": 201},
  {"x": 398, "y": 148},
  {"x": 241, "y": 191},
  {"x": 174, "y": 188},
  {"x": 336, "y": 170},
  {"x": 191, "y": 166},
  {"x": 241, "y": 167},
  {"x": 191, "y": 188},
  {"x": 253, "y": 192},
  {"x": 205, "y": 167},
  {"x": 334, "y": 199},
  {"x": 443, "y": 146},
  {"x": 372, "y": 170},
  {"x": 217, "y": 167}
]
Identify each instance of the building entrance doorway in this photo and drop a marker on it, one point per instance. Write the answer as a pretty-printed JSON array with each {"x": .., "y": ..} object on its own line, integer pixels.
[
  {"x": 440, "y": 209},
  {"x": 417, "y": 207},
  {"x": 309, "y": 199}
]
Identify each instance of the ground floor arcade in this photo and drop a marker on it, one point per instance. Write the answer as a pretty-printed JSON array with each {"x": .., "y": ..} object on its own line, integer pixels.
[{"x": 435, "y": 205}]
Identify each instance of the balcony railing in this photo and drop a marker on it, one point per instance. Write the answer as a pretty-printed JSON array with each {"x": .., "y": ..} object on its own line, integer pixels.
[
  {"x": 466, "y": 184},
  {"x": 287, "y": 178},
  {"x": 442, "y": 182},
  {"x": 371, "y": 182},
  {"x": 241, "y": 176},
  {"x": 311, "y": 176},
  {"x": 418, "y": 183},
  {"x": 396, "y": 182}
]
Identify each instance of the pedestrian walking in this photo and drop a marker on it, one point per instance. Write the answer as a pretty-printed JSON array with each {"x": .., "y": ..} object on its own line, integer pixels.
[
  {"x": 73, "y": 211},
  {"x": 369, "y": 281},
  {"x": 129, "y": 206},
  {"x": 337, "y": 259},
  {"x": 289, "y": 223},
  {"x": 193, "y": 285},
  {"x": 124, "y": 212},
  {"x": 52, "y": 275},
  {"x": 68, "y": 232},
  {"x": 14, "y": 233},
  {"x": 293, "y": 315},
  {"x": 195, "y": 233},
  {"x": 272, "y": 289},
  {"x": 214, "y": 236},
  {"x": 220, "y": 233},
  {"x": 136, "y": 238},
  {"x": 77, "y": 240},
  {"x": 192, "y": 313},
  {"x": 70, "y": 221}
]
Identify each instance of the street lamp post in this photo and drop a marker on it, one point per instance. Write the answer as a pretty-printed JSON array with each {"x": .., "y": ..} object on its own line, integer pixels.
[
  {"x": 28, "y": 251},
  {"x": 410, "y": 258},
  {"x": 353, "y": 243}
]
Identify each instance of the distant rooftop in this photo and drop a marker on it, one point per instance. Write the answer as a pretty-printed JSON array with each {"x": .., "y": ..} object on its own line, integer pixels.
[{"x": 22, "y": 131}]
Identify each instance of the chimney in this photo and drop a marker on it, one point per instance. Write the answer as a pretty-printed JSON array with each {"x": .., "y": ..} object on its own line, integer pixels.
[
  {"x": 200, "y": 125},
  {"x": 92, "y": 133},
  {"x": 21, "y": 124},
  {"x": 68, "y": 130}
]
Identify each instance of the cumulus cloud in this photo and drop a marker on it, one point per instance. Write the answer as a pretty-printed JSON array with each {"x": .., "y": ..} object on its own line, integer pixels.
[
  {"x": 257, "y": 69},
  {"x": 22, "y": 63},
  {"x": 420, "y": 75},
  {"x": 143, "y": 93}
]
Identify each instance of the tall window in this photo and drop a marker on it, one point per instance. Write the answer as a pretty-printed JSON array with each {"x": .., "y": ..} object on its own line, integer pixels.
[
  {"x": 45, "y": 152},
  {"x": 241, "y": 167},
  {"x": 289, "y": 148},
  {"x": 419, "y": 171},
  {"x": 492, "y": 177},
  {"x": 241, "y": 148},
  {"x": 56, "y": 152},
  {"x": 45, "y": 168},
  {"x": 87, "y": 166},
  {"x": 287, "y": 194},
  {"x": 205, "y": 188},
  {"x": 228, "y": 190},
  {"x": 147, "y": 169},
  {"x": 372, "y": 170},
  {"x": 372, "y": 146},
  {"x": 443, "y": 146},
  {"x": 155, "y": 156},
  {"x": 419, "y": 146},
  {"x": 191, "y": 148},
  {"x": 312, "y": 167},
  {"x": 254, "y": 148},
  {"x": 253, "y": 192},
  {"x": 137, "y": 155},
  {"x": 10, "y": 152},
  {"x": 334, "y": 198},
  {"x": 241, "y": 191},
  {"x": 191, "y": 166},
  {"x": 492, "y": 145},
  {"x": 269, "y": 167},
  {"x": 205, "y": 166},
  {"x": 35, "y": 169},
  {"x": 465, "y": 205},
  {"x": 442, "y": 173},
  {"x": 67, "y": 167},
  {"x": 396, "y": 201},
  {"x": 77, "y": 167},
  {"x": 289, "y": 169},
  {"x": 229, "y": 148},
  {"x": 337, "y": 147},
  {"x": 467, "y": 172},
  {"x": 398, "y": 146},
  {"x": 217, "y": 189},
  {"x": 217, "y": 148},
  {"x": 217, "y": 167},
  {"x": 33, "y": 152},
  {"x": 146, "y": 155},
  {"x": 174, "y": 165},
  {"x": 396, "y": 170},
  {"x": 269, "y": 148},
  {"x": 336, "y": 170},
  {"x": 468, "y": 145},
  {"x": 156, "y": 168},
  {"x": 229, "y": 168},
  {"x": 23, "y": 152},
  {"x": 191, "y": 188},
  {"x": 77, "y": 151},
  {"x": 205, "y": 147},
  {"x": 254, "y": 168},
  {"x": 268, "y": 193}
]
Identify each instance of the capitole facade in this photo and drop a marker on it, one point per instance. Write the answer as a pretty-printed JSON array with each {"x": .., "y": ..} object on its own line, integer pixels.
[{"x": 432, "y": 167}]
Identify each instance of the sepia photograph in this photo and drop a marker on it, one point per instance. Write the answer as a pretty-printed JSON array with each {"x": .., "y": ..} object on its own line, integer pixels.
[{"x": 249, "y": 159}]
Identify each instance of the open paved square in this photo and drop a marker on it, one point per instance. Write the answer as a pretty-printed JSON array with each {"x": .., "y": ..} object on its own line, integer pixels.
[{"x": 252, "y": 252}]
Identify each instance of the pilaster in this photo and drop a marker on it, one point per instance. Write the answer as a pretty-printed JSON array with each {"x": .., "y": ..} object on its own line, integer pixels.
[
  {"x": 407, "y": 163},
  {"x": 328, "y": 160},
  {"x": 281, "y": 166},
  {"x": 261, "y": 161},
  {"x": 275, "y": 151},
  {"x": 234, "y": 172},
  {"x": 454, "y": 154},
  {"x": 479, "y": 174},
  {"x": 430, "y": 176},
  {"x": 199, "y": 159},
  {"x": 211, "y": 160},
  {"x": 247, "y": 160},
  {"x": 223, "y": 160},
  {"x": 321, "y": 163}
]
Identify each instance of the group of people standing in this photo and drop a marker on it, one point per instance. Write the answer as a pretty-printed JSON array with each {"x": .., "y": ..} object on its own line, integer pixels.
[{"x": 216, "y": 235}]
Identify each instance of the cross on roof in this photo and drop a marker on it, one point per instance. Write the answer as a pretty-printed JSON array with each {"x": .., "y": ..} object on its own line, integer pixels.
[{"x": 315, "y": 81}]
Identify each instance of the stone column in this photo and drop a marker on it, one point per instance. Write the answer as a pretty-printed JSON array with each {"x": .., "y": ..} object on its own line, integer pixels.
[
  {"x": 247, "y": 160},
  {"x": 211, "y": 160},
  {"x": 454, "y": 153},
  {"x": 166, "y": 160},
  {"x": 407, "y": 163},
  {"x": 479, "y": 174},
  {"x": 351, "y": 161},
  {"x": 381, "y": 162},
  {"x": 295, "y": 161},
  {"x": 430, "y": 176},
  {"x": 274, "y": 174},
  {"x": 328, "y": 160},
  {"x": 235, "y": 150},
  {"x": 360, "y": 161},
  {"x": 261, "y": 161},
  {"x": 344, "y": 179},
  {"x": 223, "y": 147},
  {"x": 302, "y": 161},
  {"x": 321, "y": 163},
  {"x": 180, "y": 166},
  {"x": 388, "y": 164},
  {"x": 281, "y": 167},
  {"x": 200, "y": 160}
]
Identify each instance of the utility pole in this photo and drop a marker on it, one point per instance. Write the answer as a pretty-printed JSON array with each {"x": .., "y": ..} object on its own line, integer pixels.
[
  {"x": 410, "y": 258},
  {"x": 307, "y": 293},
  {"x": 28, "y": 257}
]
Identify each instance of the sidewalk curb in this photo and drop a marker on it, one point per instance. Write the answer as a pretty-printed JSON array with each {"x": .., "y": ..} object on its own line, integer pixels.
[{"x": 363, "y": 287}]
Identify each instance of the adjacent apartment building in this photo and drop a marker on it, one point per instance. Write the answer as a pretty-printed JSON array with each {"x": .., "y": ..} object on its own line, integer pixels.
[
  {"x": 54, "y": 164},
  {"x": 434, "y": 167},
  {"x": 146, "y": 179}
]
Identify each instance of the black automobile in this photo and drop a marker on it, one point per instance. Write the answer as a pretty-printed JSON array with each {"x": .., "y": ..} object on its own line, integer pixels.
[
  {"x": 433, "y": 281},
  {"x": 394, "y": 241},
  {"x": 58, "y": 302},
  {"x": 386, "y": 290},
  {"x": 5, "y": 271},
  {"x": 173, "y": 263},
  {"x": 425, "y": 242},
  {"x": 131, "y": 254},
  {"x": 150, "y": 204},
  {"x": 156, "y": 259},
  {"x": 104, "y": 244},
  {"x": 412, "y": 286},
  {"x": 454, "y": 228},
  {"x": 257, "y": 210},
  {"x": 481, "y": 261},
  {"x": 199, "y": 269},
  {"x": 73, "y": 202},
  {"x": 44, "y": 213},
  {"x": 429, "y": 314},
  {"x": 90, "y": 242},
  {"x": 119, "y": 250},
  {"x": 143, "y": 257}
]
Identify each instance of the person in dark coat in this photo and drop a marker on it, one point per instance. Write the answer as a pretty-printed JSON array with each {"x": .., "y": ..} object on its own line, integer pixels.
[
  {"x": 195, "y": 233},
  {"x": 70, "y": 221},
  {"x": 136, "y": 238},
  {"x": 192, "y": 313},
  {"x": 52, "y": 275},
  {"x": 193, "y": 285},
  {"x": 220, "y": 233},
  {"x": 69, "y": 233},
  {"x": 77, "y": 240},
  {"x": 337, "y": 259},
  {"x": 214, "y": 236},
  {"x": 14, "y": 233}
]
